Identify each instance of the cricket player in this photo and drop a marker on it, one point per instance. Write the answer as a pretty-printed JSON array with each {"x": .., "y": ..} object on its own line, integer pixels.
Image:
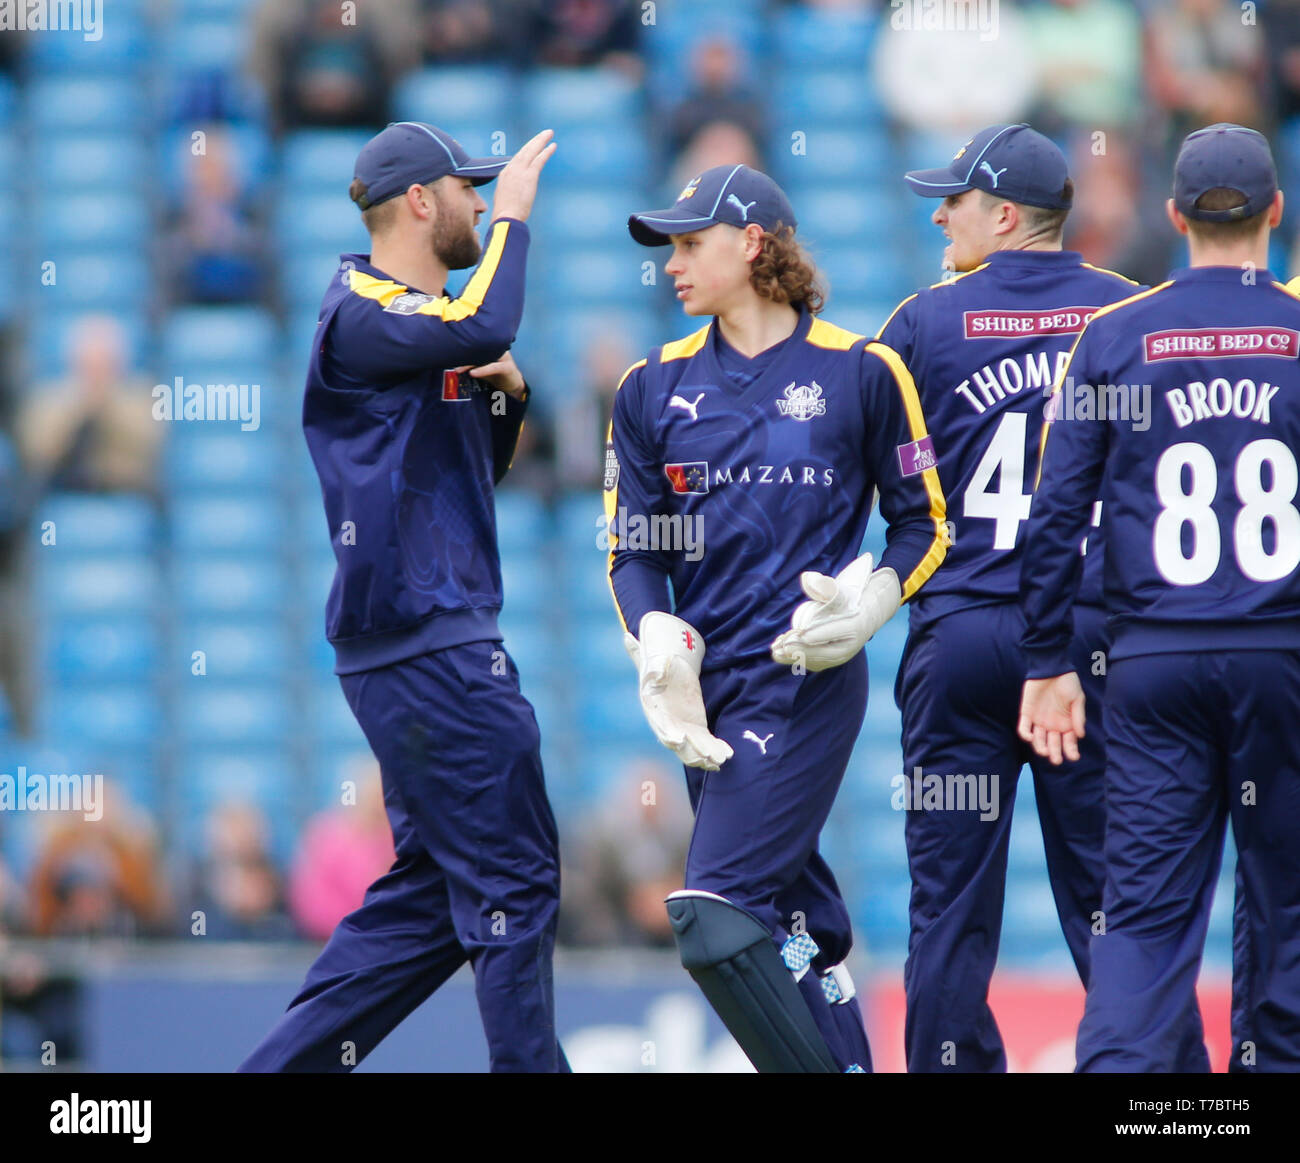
[
  {"x": 759, "y": 440},
  {"x": 1203, "y": 692},
  {"x": 408, "y": 448},
  {"x": 984, "y": 349}
]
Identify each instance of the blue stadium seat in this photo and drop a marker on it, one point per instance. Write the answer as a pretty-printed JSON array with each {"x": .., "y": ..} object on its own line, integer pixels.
[
  {"x": 221, "y": 524},
  {"x": 101, "y": 220},
  {"x": 837, "y": 97},
  {"x": 593, "y": 276},
  {"x": 83, "y": 102},
  {"x": 8, "y": 101},
  {"x": 236, "y": 650},
  {"x": 320, "y": 222},
  {"x": 250, "y": 585},
  {"x": 810, "y": 38},
  {"x": 117, "y": 47},
  {"x": 215, "y": 335},
  {"x": 562, "y": 98},
  {"x": 448, "y": 96},
  {"x": 203, "y": 45},
  {"x": 609, "y": 708},
  {"x": 600, "y": 152},
  {"x": 126, "y": 717},
  {"x": 83, "y": 160},
  {"x": 861, "y": 275},
  {"x": 100, "y": 524},
  {"x": 93, "y": 585},
  {"x": 830, "y": 154},
  {"x": 209, "y": 458},
  {"x": 596, "y": 647},
  {"x": 321, "y": 157},
  {"x": 213, "y": 713},
  {"x": 9, "y": 155},
  {"x": 265, "y": 776},
  {"x": 588, "y": 213},
  {"x": 330, "y": 719},
  {"x": 102, "y": 651},
  {"x": 249, "y": 154},
  {"x": 305, "y": 276},
  {"x": 522, "y": 520},
  {"x": 106, "y": 280}
]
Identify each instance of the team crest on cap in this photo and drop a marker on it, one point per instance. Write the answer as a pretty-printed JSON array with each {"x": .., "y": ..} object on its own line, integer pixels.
[
  {"x": 803, "y": 402},
  {"x": 957, "y": 155},
  {"x": 688, "y": 190}
]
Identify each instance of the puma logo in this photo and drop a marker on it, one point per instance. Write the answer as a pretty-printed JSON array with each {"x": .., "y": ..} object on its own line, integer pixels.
[
  {"x": 743, "y": 207},
  {"x": 762, "y": 743},
  {"x": 686, "y": 405},
  {"x": 992, "y": 173}
]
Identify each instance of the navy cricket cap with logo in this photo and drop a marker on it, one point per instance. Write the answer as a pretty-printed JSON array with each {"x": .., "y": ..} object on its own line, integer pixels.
[
  {"x": 1224, "y": 156},
  {"x": 412, "y": 153},
  {"x": 733, "y": 194},
  {"x": 1013, "y": 162}
]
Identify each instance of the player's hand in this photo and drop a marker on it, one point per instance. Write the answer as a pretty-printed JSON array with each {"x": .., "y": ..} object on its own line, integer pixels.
[
  {"x": 516, "y": 185},
  {"x": 502, "y": 374},
  {"x": 1052, "y": 716},
  {"x": 840, "y": 617},
  {"x": 668, "y": 655}
]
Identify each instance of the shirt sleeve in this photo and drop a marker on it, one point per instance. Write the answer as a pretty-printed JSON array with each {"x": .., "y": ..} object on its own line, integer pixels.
[
  {"x": 902, "y": 461},
  {"x": 506, "y": 426},
  {"x": 899, "y": 330},
  {"x": 634, "y": 490},
  {"x": 1072, "y": 458},
  {"x": 384, "y": 333}
]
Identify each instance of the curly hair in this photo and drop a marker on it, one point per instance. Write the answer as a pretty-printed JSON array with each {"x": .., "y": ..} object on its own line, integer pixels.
[{"x": 784, "y": 273}]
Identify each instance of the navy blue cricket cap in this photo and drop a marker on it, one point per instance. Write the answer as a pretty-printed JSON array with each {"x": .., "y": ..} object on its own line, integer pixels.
[
  {"x": 1224, "y": 156},
  {"x": 735, "y": 195},
  {"x": 412, "y": 153},
  {"x": 1013, "y": 162}
]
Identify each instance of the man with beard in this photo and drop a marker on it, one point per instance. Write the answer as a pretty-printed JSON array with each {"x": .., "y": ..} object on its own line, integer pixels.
[{"x": 412, "y": 409}]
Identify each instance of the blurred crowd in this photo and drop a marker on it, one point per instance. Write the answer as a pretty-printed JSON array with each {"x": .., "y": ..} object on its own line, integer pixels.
[{"x": 1117, "y": 83}]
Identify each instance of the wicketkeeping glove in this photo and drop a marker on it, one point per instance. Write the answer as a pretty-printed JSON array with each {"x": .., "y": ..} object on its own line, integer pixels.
[
  {"x": 668, "y": 657},
  {"x": 841, "y": 615}
]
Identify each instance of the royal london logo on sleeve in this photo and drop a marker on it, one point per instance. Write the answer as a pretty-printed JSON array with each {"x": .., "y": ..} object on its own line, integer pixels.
[
  {"x": 408, "y": 303},
  {"x": 802, "y": 402},
  {"x": 1220, "y": 342},
  {"x": 915, "y": 458},
  {"x": 996, "y": 324}
]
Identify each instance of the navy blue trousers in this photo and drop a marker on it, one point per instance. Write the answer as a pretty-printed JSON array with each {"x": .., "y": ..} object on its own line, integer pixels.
[
  {"x": 1194, "y": 740},
  {"x": 959, "y": 688},
  {"x": 759, "y": 817},
  {"x": 476, "y": 875}
]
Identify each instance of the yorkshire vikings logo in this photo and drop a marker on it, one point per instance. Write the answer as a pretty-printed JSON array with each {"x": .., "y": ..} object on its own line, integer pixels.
[
  {"x": 688, "y": 190},
  {"x": 803, "y": 402}
]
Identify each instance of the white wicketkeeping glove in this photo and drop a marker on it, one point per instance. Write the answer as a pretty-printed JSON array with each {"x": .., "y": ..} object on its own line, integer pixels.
[
  {"x": 841, "y": 615},
  {"x": 668, "y": 657}
]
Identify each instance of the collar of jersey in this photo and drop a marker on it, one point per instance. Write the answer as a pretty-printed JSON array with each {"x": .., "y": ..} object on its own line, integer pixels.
[
  {"x": 362, "y": 263},
  {"x": 1035, "y": 257},
  {"x": 791, "y": 343},
  {"x": 1262, "y": 278}
]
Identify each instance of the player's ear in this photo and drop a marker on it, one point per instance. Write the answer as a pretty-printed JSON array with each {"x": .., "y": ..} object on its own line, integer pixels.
[
  {"x": 1178, "y": 221},
  {"x": 420, "y": 200},
  {"x": 1275, "y": 211},
  {"x": 753, "y": 245}
]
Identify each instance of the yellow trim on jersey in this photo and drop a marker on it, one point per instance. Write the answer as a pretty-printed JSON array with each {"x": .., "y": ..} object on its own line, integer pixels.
[
  {"x": 384, "y": 291},
  {"x": 894, "y": 312},
  {"x": 1292, "y": 287},
  {"x": 1108, "y": 271},
  {"x": 610, "y": 497},
  {"x": 685, "y": 348},
  {"x": 1065, "y": 369},
  {"x": 832, "y": 338},
  {"x": 957, "y": 277},
  {"x": 938, "y": 508}
]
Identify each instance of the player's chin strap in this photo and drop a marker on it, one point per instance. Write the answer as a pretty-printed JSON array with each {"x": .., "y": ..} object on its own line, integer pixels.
[{"x": 749, "y": 984}]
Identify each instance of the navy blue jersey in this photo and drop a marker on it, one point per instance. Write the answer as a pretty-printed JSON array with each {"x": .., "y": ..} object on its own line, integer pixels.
[
  {"x": 732, "y": 489},
  {"x": 984, "y": 350},
  {"x": 1198, "y": 506},
  {"x": 408, "y": 453}
]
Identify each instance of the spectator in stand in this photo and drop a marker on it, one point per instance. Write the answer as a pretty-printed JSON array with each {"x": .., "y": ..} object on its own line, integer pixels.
[
  {"x": 343, "y": 851},
  {"x": 318, "y": 71},
  {"x": 577, "y": 33},
  {"x": 99, "y": 877},
  {"x": 460, "y": 32},
  {"x": 1203, "y": 64},
  {"x": 216, "y": 247},
  {"x": 93, "y": 431},
  {"x": 717, "y": 92},
  {"x": 714, "y": 144},
  {"x": 237, "y": 886},
  {"x": 582, "y": 419},
  {"x": 628, "y": 855}
]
